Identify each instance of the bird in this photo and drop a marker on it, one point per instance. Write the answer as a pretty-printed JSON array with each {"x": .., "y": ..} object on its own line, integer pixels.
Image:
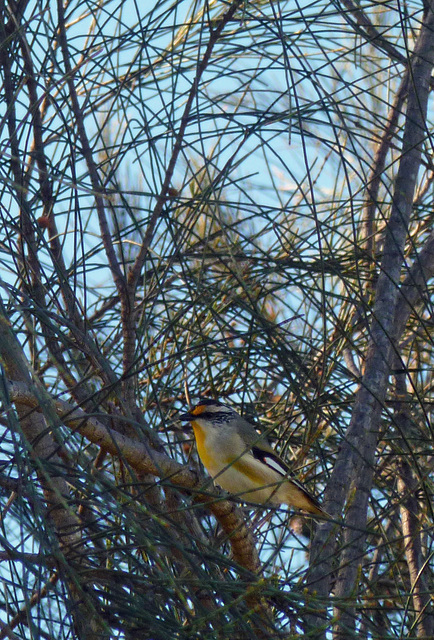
[{"x": 242, "y": 462}]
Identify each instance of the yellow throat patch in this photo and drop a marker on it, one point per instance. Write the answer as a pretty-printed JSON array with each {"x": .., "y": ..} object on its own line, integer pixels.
[{"x": 200, "y": 437}]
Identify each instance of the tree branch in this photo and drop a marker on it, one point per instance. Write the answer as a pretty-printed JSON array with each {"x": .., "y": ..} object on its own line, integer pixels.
[
  {"x": 44, "y": 451},
  {"x": 420, "y": 591},
  {"x": 148, "y": 461},
  {"x": 355, "y": 462},
  {"x": 134, "y": 273}
]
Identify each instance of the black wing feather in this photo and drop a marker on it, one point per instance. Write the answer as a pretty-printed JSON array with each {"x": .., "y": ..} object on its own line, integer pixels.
[
  {"x": 273, "y": 461},
  {"x": 267, "y": 456}
]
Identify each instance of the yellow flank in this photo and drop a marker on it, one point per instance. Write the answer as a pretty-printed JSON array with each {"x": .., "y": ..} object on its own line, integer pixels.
[{"x": 251, "y": 472}]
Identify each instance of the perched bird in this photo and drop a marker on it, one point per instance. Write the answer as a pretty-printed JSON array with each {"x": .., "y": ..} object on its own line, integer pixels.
[{"x": 241, "y": 461}]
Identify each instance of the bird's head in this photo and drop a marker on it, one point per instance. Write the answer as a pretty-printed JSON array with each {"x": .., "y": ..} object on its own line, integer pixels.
[{"x": 209, "y": 412}]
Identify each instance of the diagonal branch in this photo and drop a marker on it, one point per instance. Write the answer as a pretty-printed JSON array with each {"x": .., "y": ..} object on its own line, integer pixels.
[
  {"x": 44, "y": 450},
  {"x": 87, "y": 154},
  {"x": 215, "y": 34},
  {"x": 148, "y": 461},
  {"x": 420, "y": 590},
  {"x": 355, "y": 462},
  {"x": 134, "y": 273}
]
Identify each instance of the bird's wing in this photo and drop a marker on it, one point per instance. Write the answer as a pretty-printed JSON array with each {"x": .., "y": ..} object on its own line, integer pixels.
[{"x": 273, "y": 461}]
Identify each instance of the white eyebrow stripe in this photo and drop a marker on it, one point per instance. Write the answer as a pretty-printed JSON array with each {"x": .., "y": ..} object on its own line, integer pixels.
[{"x": 216, "y": 409}]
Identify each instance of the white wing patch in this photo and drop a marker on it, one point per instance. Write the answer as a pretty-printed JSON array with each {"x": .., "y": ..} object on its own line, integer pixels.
[
  {"x": 273, "y": 461},
  {"x": 275, "y": 464}
]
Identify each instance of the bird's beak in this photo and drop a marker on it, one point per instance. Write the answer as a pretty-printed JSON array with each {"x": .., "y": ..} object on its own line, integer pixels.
[{"x": 186, "y": 417}]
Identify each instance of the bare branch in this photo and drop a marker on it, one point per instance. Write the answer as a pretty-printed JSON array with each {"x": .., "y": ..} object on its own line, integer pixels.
[
  {"x": 147, "y": 461},
  {"x": 356, "y": 458}
]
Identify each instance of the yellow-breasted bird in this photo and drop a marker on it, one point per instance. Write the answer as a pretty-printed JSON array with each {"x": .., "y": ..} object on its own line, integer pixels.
[{"x": 242, "y": 462}]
